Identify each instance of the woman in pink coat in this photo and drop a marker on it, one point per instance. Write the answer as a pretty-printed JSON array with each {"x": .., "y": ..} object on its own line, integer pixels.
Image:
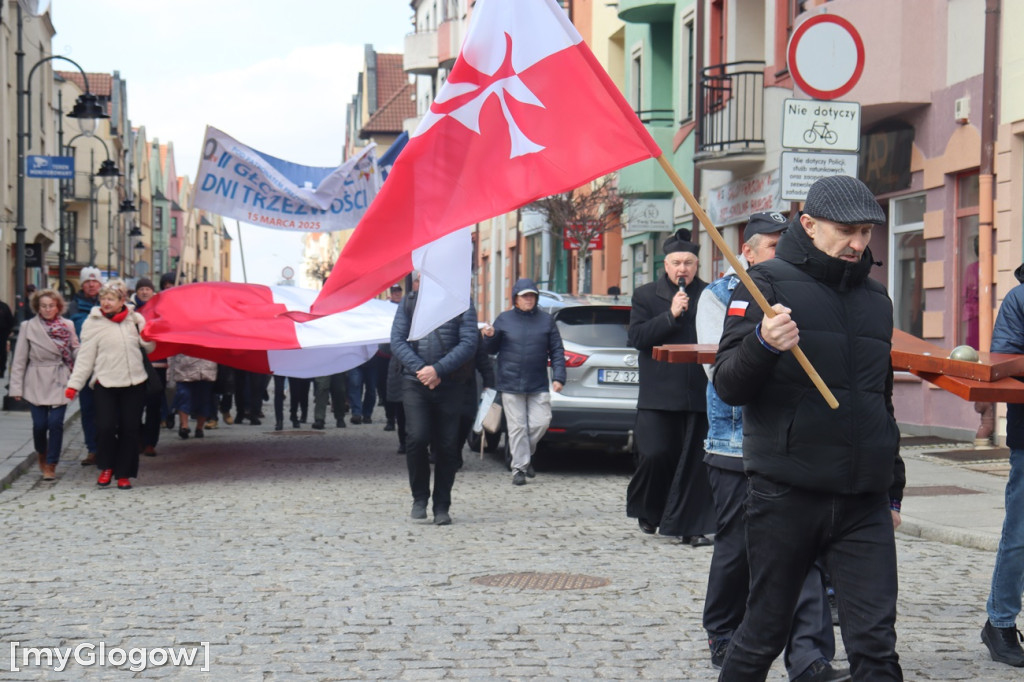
[{"x": 43, "y": 360}]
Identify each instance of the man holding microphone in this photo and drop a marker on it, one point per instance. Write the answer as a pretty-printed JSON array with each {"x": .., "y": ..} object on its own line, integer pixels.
[{"x": 670, "y": 489}]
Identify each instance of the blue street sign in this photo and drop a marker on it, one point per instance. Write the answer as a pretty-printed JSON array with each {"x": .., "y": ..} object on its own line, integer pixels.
[{"x": 62, "y": 167}]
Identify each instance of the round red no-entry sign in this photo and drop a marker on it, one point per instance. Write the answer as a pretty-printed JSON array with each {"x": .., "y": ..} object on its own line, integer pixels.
[{"x": 826, "y": 56}]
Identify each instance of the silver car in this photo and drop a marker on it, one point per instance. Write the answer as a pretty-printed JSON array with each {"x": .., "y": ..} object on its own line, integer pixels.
[{"x": 597, "y": 406}]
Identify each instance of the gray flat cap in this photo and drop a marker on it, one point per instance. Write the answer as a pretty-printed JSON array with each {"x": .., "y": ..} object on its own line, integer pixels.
[{"x": 843, "y": 199}]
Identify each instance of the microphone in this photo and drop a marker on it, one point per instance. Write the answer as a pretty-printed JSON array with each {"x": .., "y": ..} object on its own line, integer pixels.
[{"x": 682, "y": 284}]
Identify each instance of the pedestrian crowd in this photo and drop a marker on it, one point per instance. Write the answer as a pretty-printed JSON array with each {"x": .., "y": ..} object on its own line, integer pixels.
[{"x": 797, "y": 498}]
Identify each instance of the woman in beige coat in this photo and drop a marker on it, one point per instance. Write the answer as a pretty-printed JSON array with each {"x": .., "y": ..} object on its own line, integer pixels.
[
  {"x": 43, "y": 359},
  {"x": 111, "y": 354}
]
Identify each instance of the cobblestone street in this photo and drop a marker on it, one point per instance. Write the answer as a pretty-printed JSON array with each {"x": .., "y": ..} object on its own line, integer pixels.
[{"x": 292, "y": 554}]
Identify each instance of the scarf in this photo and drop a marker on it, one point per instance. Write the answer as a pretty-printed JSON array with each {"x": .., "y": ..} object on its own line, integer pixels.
[
  {"x": 61, "y": 336},
  {"x": 119, "y": 315}
]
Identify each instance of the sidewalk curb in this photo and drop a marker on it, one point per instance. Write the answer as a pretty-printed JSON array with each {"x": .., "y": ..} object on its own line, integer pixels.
[
  {"x": 947, "y": 535},
  {"x": 29, "y": 460}
]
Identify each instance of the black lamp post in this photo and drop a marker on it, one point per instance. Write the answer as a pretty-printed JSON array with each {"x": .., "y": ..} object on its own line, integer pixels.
[{"x": 87, "y": 110}]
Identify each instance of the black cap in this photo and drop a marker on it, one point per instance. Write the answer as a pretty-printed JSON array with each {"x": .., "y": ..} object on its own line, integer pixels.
[
  {"x": 680, "y": 241},
  {"x": 843, "y": 199},
  {"x": 766, "y": 222},
  {"x": 396, "y": 287}
]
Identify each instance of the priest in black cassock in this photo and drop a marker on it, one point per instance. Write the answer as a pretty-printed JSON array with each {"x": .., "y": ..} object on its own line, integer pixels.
[{"x": 670, "y": 492}]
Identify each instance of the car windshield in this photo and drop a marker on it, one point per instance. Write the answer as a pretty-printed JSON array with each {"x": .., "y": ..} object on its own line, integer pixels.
[{"x": 599, "y": 326}]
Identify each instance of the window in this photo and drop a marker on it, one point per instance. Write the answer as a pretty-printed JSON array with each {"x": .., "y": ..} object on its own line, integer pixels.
[
  {"x": 158, "y": 261},
  {"x": 687, "y": 75},
  {"x": 206, "y": 241},
  {"x": 906, "y": 263},
  {"x": 968, "y": 288},
  {"x": 158, "y": 217},
  {"x": 70, "y": 235},
  {"x": 636, "y": 75},
  {"x": 535, "y": 257},
  {"x": 174, "y": 226}
]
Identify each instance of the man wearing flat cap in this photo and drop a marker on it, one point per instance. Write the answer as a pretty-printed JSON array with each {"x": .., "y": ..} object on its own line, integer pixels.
[
  {"x": 821, "y": 482},
  {"x": 810, "y": 647},
  {"x": 669, "y": 491}
]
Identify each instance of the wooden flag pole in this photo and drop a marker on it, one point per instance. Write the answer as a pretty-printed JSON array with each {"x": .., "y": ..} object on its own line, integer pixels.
[{"x": 741, "y": 272}]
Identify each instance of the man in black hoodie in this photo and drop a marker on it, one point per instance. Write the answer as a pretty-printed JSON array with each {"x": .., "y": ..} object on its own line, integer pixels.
[{"x": 821, "y": 481}]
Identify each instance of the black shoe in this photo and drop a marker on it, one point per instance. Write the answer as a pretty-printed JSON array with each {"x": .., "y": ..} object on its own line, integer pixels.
[
  {"x": 647, "y": 527},
  {"x": 199, "y": 433},
  {"x": 530, "y": 473},
  {"x": 697, "y": 541},
  {"x": 1003, "y": 644},
  {"x": 356, "y": 419},
  {"x": 367, "y": 420},
  {"x": 389, "y": 426},
  {"x": 822, "y": 671},
  {"x": 183, "y": 433},
  {"x": 340, "y": 423},
  {"x": 419, "y": 509},
  {"x": 255, "y": 422},
  {"x": 441, "y": 518},
  {"x": 518, "y": 478},
  {"x": 319, "y": 426},
  {"x": 401, "y": 450},
  {"x": 718, "y": 647},
  {"x": 296, "y": 423},
  {"x": 278, "y": 426}
]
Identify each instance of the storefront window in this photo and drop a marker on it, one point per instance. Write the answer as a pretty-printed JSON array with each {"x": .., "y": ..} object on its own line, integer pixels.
[
  {"x": 907, "y": 263},
  {"x": 967, "y": 243},
  {"x": 641, "y": 273}
]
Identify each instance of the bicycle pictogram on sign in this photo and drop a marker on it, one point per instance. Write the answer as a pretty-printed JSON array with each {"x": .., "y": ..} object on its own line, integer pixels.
[{"x": 820, "y": 129}]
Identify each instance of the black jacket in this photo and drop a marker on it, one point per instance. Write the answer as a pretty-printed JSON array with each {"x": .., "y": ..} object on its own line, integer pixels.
[
  {"x": 845, "y": 320},
  {"x": 447, "y": 348},
  {"x": 665, "y": 386}
]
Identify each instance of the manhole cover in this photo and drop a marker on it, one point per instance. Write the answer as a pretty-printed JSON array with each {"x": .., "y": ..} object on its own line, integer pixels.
[
  {"x": 541, "y": 581},
  {"x": 935, "y": 490}
]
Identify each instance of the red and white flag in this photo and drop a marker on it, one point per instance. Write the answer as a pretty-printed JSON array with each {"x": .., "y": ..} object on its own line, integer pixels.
[
  {"x": 526, "y": 112},
  {"x": 264, "y": 329},
  {"x": 738, "y": 308}
]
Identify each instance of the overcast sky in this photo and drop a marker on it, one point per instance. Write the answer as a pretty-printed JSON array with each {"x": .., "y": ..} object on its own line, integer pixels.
[{"x": 273, "y": 75}]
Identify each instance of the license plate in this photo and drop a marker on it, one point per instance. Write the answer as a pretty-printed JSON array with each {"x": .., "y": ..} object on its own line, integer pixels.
[{"x": 618, "y": 376}]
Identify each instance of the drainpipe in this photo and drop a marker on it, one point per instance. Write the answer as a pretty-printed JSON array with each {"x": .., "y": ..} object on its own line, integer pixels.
[
  {"x": 986, "y": 207},
  {"x": 699, "y": 110}
]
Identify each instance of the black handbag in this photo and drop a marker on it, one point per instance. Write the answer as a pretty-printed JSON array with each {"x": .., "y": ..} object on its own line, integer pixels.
[{"x": 154, "y": 386}]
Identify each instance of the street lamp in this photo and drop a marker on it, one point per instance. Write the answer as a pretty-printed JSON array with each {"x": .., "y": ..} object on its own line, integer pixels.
[{"x": 87, "y": 110}]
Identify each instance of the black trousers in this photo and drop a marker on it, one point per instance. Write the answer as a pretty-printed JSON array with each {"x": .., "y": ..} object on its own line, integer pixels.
[
  {"x": 118, "y": 418},
  {"x": 431, "y": 420},
  {"x": 154, "y": 410},
  {"x": 670, "y": 485},
  {"x": 787, "y": 530},
  {"x": 811, "y": 636}
]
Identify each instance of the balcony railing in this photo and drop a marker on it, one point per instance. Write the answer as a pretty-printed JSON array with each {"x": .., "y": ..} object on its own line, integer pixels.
[
  {"x": 656, "y": 116},
  {"x": 731, "y": 102}
]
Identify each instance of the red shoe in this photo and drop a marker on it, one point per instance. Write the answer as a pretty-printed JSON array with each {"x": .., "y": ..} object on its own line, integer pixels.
[
  {"x": 105, "y": 477},
  {"x": 124, "y": 484}
]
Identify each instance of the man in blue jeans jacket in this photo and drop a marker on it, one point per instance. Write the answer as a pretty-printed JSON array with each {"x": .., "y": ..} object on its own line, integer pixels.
[
  {"x": 812, "y": 644},
  {"x": 432, "y": 381},
  {"x": 1000, "y": 633}
]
